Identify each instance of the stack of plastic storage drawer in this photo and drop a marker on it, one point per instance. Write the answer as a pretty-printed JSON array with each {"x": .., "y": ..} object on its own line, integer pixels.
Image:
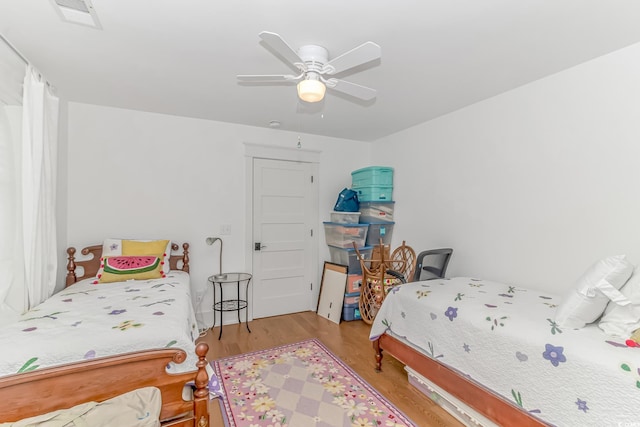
[
  {"x": 344, "y": 229},
  {"x": 375, "y": 189},
  {"x": 374, "y": 186}
]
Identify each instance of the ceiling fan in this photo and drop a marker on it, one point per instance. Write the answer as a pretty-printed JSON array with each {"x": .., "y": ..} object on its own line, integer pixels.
[{"x": 315, "y": 68}]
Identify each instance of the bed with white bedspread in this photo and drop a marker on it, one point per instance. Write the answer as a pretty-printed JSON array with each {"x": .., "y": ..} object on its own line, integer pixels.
[
  {"x": 88, "y": 320},
  {"x": 504, "y": 338},
  {"x": 124, "y": 322}
]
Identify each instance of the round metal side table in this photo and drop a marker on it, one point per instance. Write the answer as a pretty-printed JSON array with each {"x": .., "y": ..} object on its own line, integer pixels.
[{"x": 233, "y": 304}]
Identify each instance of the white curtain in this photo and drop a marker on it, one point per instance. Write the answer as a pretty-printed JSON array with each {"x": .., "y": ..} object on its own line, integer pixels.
[
  {"x": 39, "y": 159},
  {"x": 13, "y": 296}
]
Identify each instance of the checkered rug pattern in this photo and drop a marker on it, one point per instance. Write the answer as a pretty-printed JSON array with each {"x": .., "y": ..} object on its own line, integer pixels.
[{"x": 299, "y": 385}]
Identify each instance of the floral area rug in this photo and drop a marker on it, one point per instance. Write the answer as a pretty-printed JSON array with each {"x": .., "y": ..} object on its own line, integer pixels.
[{"x": 300, "y": 385}]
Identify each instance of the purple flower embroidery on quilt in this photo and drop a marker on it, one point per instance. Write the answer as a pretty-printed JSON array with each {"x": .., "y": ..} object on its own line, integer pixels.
[
  {"x": 118, "y": 311},
  {"x": 582, "y": 406},
  {"x": 451, "y": 313},
  {"x": 33, "y": 328},
  {"x": 67, "y": 300},
  {"x": 158, "y": 313},
  {"x": 90, "y": 354},
  {"x": 554, "y": 354},
  {"x": 215, "y": 388},
  {"x": 466, "y": 347},
  {"x": 521, "y": 356}
]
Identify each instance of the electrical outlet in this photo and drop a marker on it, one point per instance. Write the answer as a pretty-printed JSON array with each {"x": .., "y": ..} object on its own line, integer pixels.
[
  {"x": 199, "y": 296},
  {"x": 225, "y": 229}
]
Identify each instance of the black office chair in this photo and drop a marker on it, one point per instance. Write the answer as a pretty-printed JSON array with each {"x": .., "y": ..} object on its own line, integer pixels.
[{"x": 432, "y": 264}]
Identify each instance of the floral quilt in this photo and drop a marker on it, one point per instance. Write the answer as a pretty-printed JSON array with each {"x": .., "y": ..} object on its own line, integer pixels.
[
  {"x": 504, "y": 337},
  {"x": 86, "y": 321}
]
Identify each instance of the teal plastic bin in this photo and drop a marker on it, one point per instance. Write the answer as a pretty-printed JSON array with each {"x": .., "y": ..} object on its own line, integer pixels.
[
  {"x": 372, "y": 175},
  {"x": 374, "y": 193}
]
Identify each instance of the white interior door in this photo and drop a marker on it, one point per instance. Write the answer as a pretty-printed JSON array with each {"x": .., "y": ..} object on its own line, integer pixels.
[{"x": 284, "y": 217}]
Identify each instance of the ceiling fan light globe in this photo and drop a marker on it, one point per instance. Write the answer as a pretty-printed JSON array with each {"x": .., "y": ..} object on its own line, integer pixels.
[{"x": 311, "y": 90}]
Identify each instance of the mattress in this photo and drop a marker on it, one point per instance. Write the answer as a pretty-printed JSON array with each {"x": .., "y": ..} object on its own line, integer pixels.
[
  {"x": 86, "y": 321},
  {"x": 504, "y": 338}
]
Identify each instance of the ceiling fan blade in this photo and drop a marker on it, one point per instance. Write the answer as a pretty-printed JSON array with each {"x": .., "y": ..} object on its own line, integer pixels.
[
  {"x": 266, "y": 78},
  {"x": 353, "y": 89},
  {"x": 281, "y": 47},
  {"x": 362, "y": 54}
]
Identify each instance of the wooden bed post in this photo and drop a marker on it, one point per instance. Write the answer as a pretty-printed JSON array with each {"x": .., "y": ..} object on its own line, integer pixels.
[
  {"x": 71, "y": 266},
  {"x": 378, "y": 349},
  {"x": 201, "y": 395},
  {"x": 185, "y": 257}
]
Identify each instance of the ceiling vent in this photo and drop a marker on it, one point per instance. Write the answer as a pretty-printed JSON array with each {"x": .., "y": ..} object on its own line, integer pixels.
[{"x": 77, "y": 12}]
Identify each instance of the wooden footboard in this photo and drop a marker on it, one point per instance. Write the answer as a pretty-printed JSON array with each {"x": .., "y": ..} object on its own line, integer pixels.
[
  {"x": 482, "y": 400},
  {"x": 45, "y": 390}
]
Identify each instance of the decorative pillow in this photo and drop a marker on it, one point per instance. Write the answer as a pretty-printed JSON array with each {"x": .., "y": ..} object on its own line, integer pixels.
[
  {"x": 599, "y": 284},
  {"x": 116, "y": 250},
  {"x": 622, "y": 317},
  {"x": 121, "y": 268},
  {"x": 117, "y": 247}
]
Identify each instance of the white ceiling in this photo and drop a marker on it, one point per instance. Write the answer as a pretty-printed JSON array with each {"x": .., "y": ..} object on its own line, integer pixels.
[{"x": 181, "y": 57}]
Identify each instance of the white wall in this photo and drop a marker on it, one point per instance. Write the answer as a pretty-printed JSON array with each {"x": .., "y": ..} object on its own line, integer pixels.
[
  {"x": 134, "y": 174},
  {"x": 532, "y": 186}
]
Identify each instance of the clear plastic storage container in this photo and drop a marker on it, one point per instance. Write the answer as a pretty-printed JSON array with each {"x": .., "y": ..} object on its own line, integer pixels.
[
  {"x": 351, "y": 312},
  {"x": 349, "y": 257},
  {"x": 342, "y": 235},
  {"x": 377, "y": 231},
  {"x": 376, "y": 212},
  {"x": 352, "y": 298},
  {"x": 354, "y": 282},
  {"x": 345, "y": 217}
]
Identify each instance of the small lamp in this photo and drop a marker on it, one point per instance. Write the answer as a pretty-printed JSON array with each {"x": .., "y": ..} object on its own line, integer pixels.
[
  {"x": 210, "y": 241},
  {"x": 311, "y": 90}
]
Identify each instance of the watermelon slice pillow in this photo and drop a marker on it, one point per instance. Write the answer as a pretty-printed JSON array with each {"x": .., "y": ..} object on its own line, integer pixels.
[
  {"x": 122, "y": 268},
  {"x": 119, "y": 247}
]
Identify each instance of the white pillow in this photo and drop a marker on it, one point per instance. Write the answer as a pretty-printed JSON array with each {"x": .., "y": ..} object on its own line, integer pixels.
[
  {"x": 600, "y": 283},
  {"x": 622, "y": 317}
]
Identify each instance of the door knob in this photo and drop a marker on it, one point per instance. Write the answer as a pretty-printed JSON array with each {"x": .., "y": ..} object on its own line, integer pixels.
[{"x": 258, "y": 246}]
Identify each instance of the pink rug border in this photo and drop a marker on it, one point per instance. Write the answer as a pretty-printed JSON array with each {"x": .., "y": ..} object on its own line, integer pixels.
[{"x": 224, "y": 405}]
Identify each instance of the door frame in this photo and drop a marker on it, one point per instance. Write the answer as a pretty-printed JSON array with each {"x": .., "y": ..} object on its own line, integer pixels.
[{"x": 260, "y": 151}]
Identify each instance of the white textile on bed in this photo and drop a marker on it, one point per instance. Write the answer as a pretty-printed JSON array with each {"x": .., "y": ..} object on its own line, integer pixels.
[
  {"x": 504, "y": 338},
  {"x": 86, "y": 321}
]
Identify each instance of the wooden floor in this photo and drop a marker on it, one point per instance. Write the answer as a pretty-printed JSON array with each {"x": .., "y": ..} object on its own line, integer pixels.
[{"x": 349, "y": 341}]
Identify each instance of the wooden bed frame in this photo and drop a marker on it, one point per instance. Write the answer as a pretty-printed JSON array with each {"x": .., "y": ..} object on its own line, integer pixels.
[
  {"x": 479, "y": 398},
  {"x": 44, "y": 390}
]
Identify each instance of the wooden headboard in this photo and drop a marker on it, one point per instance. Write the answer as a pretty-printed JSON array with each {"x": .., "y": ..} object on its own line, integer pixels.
[{"x": 92, "y": 265}]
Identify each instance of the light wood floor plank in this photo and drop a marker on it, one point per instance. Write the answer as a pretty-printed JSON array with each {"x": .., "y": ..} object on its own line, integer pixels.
[{"x": 349, "y": 341}]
